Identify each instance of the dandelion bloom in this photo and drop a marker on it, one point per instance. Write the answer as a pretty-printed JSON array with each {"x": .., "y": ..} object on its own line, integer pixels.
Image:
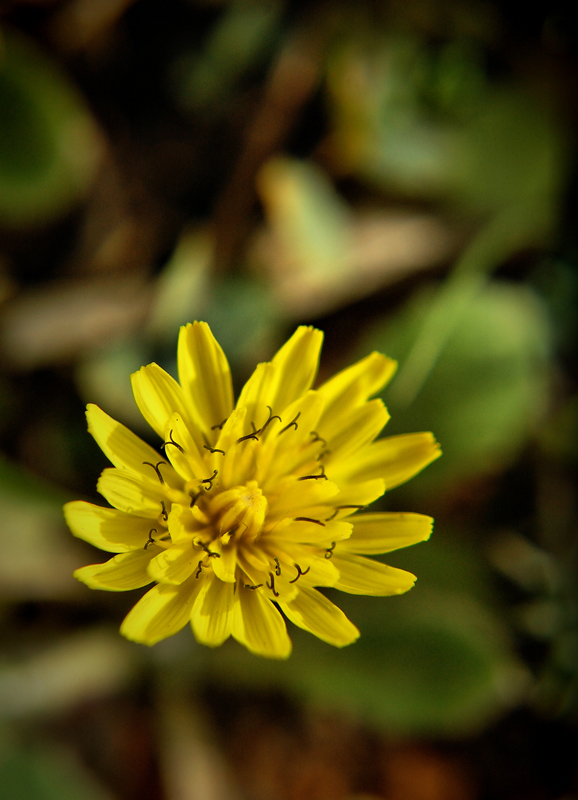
[{"x": 253, "y": 505}]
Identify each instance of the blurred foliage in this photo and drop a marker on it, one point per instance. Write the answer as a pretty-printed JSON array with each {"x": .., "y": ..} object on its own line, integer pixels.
[
  {"x": 43, "y": 773},
  {"x": 239, "y": 43},
  {"x": 49, "y": 144},
  {"x": 401, "y": 175},
  {"x": 488, "y": 388},
  {"x": 37, "y": 561},
  {"x": 311, "y": 219},
  {"x": 425, "y": 120}
]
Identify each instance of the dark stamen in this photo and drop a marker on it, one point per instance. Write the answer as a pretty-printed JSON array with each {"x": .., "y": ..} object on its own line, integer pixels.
[
  {"x": 309, "y": 519},
  {"x": 164, "y": 445},
  {"x": 209, "y": 481},
  {"x": 314, "y": 477},
  {"x": 317, "y": 438},
  {"x": 194, "y": 498},
  {"x": 205, "y": 547},
  {"x": 164, "y": 514},
  {"x": 199, "y": 569},
  {"x": 338, "y": 509},
  {"x": 252, "y": 586},
  {"x": 156, "y": 468},
  {"x": 220, "y": 425},
  {"x": 247, "y": 437},
  {"x": 300, "y": 572},
  {"x": 291, "y": 424},
  {"x": 271, "y": 418},
  {"x": 329, "y": 551},
  {"x": 272, "y": 585},
  {"x": 277, "y": 566},
  {"x": 150, "y": 540},
  {"x": 255, "y": 433},
  {"x": 213, "y": 449}
]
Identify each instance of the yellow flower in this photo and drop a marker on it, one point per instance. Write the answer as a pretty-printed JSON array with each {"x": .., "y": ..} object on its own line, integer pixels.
[{"x": 252, "y": 505}]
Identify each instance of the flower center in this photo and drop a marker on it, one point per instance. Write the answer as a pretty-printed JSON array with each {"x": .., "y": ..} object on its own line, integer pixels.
[{"x": 238, "y": 512}]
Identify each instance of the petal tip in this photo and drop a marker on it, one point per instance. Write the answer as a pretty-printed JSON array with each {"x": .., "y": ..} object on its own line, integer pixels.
[
  {"x": 142, "y": 639},
  {"x": 83, "y": 574},
  {"x": 354, "y": 634}
]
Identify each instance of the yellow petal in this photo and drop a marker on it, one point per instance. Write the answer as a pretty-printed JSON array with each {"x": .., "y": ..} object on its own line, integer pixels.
[
  {"x": 297, "y": 363},
  {"x": 382, "y": 533},
  {"x": 127, "y": 492},
  {"x": 258, "y": 390},
  {"x": 302, "y": 498},
  {"x": 353, "y": 386},
  {"x": 162, "y": 612},
  {"x": 359, "y": 575},
  {"x": 229, "y": 472},
  {"x": 314, "y": 569},
  {"x": 205, "y": 377},
  {"x": 259, "y": 626},
  {"x": 253, "y": 574},
  {"x": 305, "y": 411},
  {"x": 287, "y": 450},
  {"x": 396, "y": 459},
  {"x": 181, "y": 525},
  {"x": 358, "y": 494},
  {"x": 353, "y": 433},
  {"x": 119, "y": 574},
  {"x": 182, "y": 449},
  {"x": 225, "y": 567},
  {"x": 119, "y": 444},
  {"x": 174, "y": 565},
  {"x": 289, "y": 375},
  {"x": 211, "y": 617},
  {"x": 158, "y": 397},
  {"x": 308, "y": 533},
  {"x": 107, "y": 528},
  {"x": 232, "y": 430},
  {"x": 313, "y": 612}
]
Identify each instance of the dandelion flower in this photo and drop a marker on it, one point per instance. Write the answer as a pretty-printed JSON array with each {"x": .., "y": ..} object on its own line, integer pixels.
[{"x": 251, "y": 506}]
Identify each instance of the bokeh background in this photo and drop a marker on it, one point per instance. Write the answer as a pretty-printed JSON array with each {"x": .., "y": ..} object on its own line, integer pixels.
[{"x": 401, "y": 174}]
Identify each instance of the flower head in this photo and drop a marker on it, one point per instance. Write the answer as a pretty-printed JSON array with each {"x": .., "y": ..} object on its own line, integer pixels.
[{"x": 251, "y": 506}]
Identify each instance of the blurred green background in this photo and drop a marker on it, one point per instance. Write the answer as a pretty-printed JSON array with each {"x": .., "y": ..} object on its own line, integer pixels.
[{"x": 402, "y": 175}]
